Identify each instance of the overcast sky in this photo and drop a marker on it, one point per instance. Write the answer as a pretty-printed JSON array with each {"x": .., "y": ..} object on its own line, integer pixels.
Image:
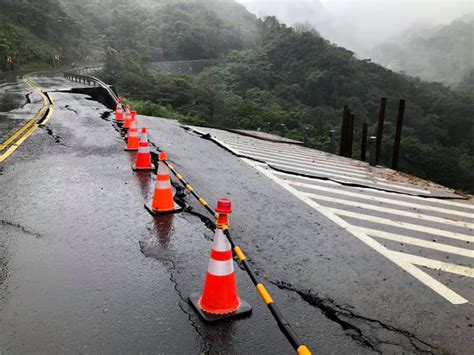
[{"x": 361, "y": 24}]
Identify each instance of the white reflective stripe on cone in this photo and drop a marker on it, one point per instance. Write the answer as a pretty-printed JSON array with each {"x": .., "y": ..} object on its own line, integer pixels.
[
  {"x": 162, "y": 169},
  {"x": 132, "y": 134},
  {"x": 163, "y": 185},
  {"x": 143, "y": 137},
  {"x": 220, "y": 268},
  {"x": 220, "y": 241},
  {"x": 143, "y": 150}
]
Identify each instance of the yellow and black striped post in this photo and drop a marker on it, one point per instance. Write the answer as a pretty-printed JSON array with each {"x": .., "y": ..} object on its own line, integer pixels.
[{"x": 283, "y": 324}]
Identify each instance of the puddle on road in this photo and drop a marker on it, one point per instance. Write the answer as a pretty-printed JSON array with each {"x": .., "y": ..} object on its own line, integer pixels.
[
  {"x": 144, "y": 181},
  {"x": 163, "y": 226}
]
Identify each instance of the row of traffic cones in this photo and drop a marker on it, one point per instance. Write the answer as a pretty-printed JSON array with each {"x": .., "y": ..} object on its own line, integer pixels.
[
  {"x": 219, "y": 298},
  {"x": 135, "y": 141}
]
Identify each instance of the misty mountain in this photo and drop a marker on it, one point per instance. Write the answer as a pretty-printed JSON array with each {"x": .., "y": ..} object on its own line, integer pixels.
[{"x": 442, "y": 54}]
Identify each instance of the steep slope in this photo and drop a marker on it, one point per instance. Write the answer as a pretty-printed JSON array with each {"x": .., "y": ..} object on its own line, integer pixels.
[
  {"x": 158, "y": 30},
  {"x": 48, "y": 21},
  {"x": 164, "y": 29},
  {"x": 22, "y": 45}
]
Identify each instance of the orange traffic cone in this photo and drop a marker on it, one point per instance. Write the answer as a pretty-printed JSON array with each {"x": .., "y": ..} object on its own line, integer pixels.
[
  {"x": 128, "y": 119},
  {"x": 119, "y": 111},
  {"x": 163, "y": 201},
  {"x": 143, "y": 160},
  {"x": 133, "y": 140},
  {"x": 219, "y": 299}
]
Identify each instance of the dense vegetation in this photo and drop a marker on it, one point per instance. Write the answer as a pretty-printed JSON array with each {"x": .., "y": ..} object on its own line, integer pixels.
[
  {"x": 157, "y": 29},
  {"x": 26, "y": 45},
  {"x": 270, "y": 77}
]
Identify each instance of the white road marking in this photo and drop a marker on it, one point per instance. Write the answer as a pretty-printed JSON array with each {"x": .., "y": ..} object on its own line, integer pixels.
[
  {"x": 380, "y": 199},
  {"x": 379, "y": 192},
  {"x": 299, "y": 162},
  {"x": 278, "y": 162},
  {"x": 405, "y": 263},
  {"x": 282, "y": 153},
  {"x": 319, "y": 170},
  {"x": 404, "y": 225},
  {"x": 417, "y": 242},
  {"x": 286, "y": 148},
  {"x": 435, "y": 264},
  {"x": 392, "y": 211}
]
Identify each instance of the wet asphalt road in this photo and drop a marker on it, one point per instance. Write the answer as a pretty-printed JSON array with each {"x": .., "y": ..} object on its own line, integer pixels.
[
  {"x": 84, "y": 267},
  {"x": 18, "y": 103}
]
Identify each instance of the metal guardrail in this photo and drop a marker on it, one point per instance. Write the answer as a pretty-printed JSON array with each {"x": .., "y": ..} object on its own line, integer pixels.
[{"x": 80, "y": 75}]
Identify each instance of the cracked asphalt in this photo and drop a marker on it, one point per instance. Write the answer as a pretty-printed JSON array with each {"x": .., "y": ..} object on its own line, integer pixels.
[{"x": 85, "y": 269}]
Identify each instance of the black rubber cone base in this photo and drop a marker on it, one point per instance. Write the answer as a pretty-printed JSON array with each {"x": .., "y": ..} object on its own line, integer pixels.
[
  {"x": 143, "y": 169},
  {"x": 177, "y": 209},
  {"x": 243, "y": 310}
]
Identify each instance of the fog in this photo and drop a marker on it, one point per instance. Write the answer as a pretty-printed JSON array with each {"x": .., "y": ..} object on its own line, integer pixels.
[{"x": 359, "y": 25}]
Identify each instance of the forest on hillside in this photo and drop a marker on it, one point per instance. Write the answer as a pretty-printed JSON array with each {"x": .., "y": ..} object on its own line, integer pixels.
[{"x": 264, "y": 76}]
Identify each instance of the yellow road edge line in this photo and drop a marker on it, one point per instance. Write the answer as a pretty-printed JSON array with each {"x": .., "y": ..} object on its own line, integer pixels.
[
  {"x": 17, "y": 133},
  {"x": 22, "y": 129},
  {"x": 48, "y": 117},
  {"x": 17, "y": 144}
]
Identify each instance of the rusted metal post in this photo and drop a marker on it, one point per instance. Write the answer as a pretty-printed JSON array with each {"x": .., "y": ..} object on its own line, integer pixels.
[
  {"x": 350, "y": 134},
  {"x": 378, "y": 148},
  {"x": 398, "y": 134},
  {"x": 372, "y": 148},
  {"x": 332, "y": 138},
  {"x": 344, "y": 126},
  {"x": 363, "y": 146},
  {"x": 305, "y": 136}
]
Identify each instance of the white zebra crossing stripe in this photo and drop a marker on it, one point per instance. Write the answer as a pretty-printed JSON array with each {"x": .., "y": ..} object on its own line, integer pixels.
[
  {"x": 314, "y": 168},
  {"x": 422, "y": 200},
  {"x": 292, "y": 157},
  {"x": 406, "y": 263},
  {"x": 298, "y": 162},
  {"x": 435, "y": 264},
  {"x": 417, "y": 242},
  {"x": 404, "y": 225},
  {"x": 379, "y": 199},
  {"x": 392, "y": 211}
]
